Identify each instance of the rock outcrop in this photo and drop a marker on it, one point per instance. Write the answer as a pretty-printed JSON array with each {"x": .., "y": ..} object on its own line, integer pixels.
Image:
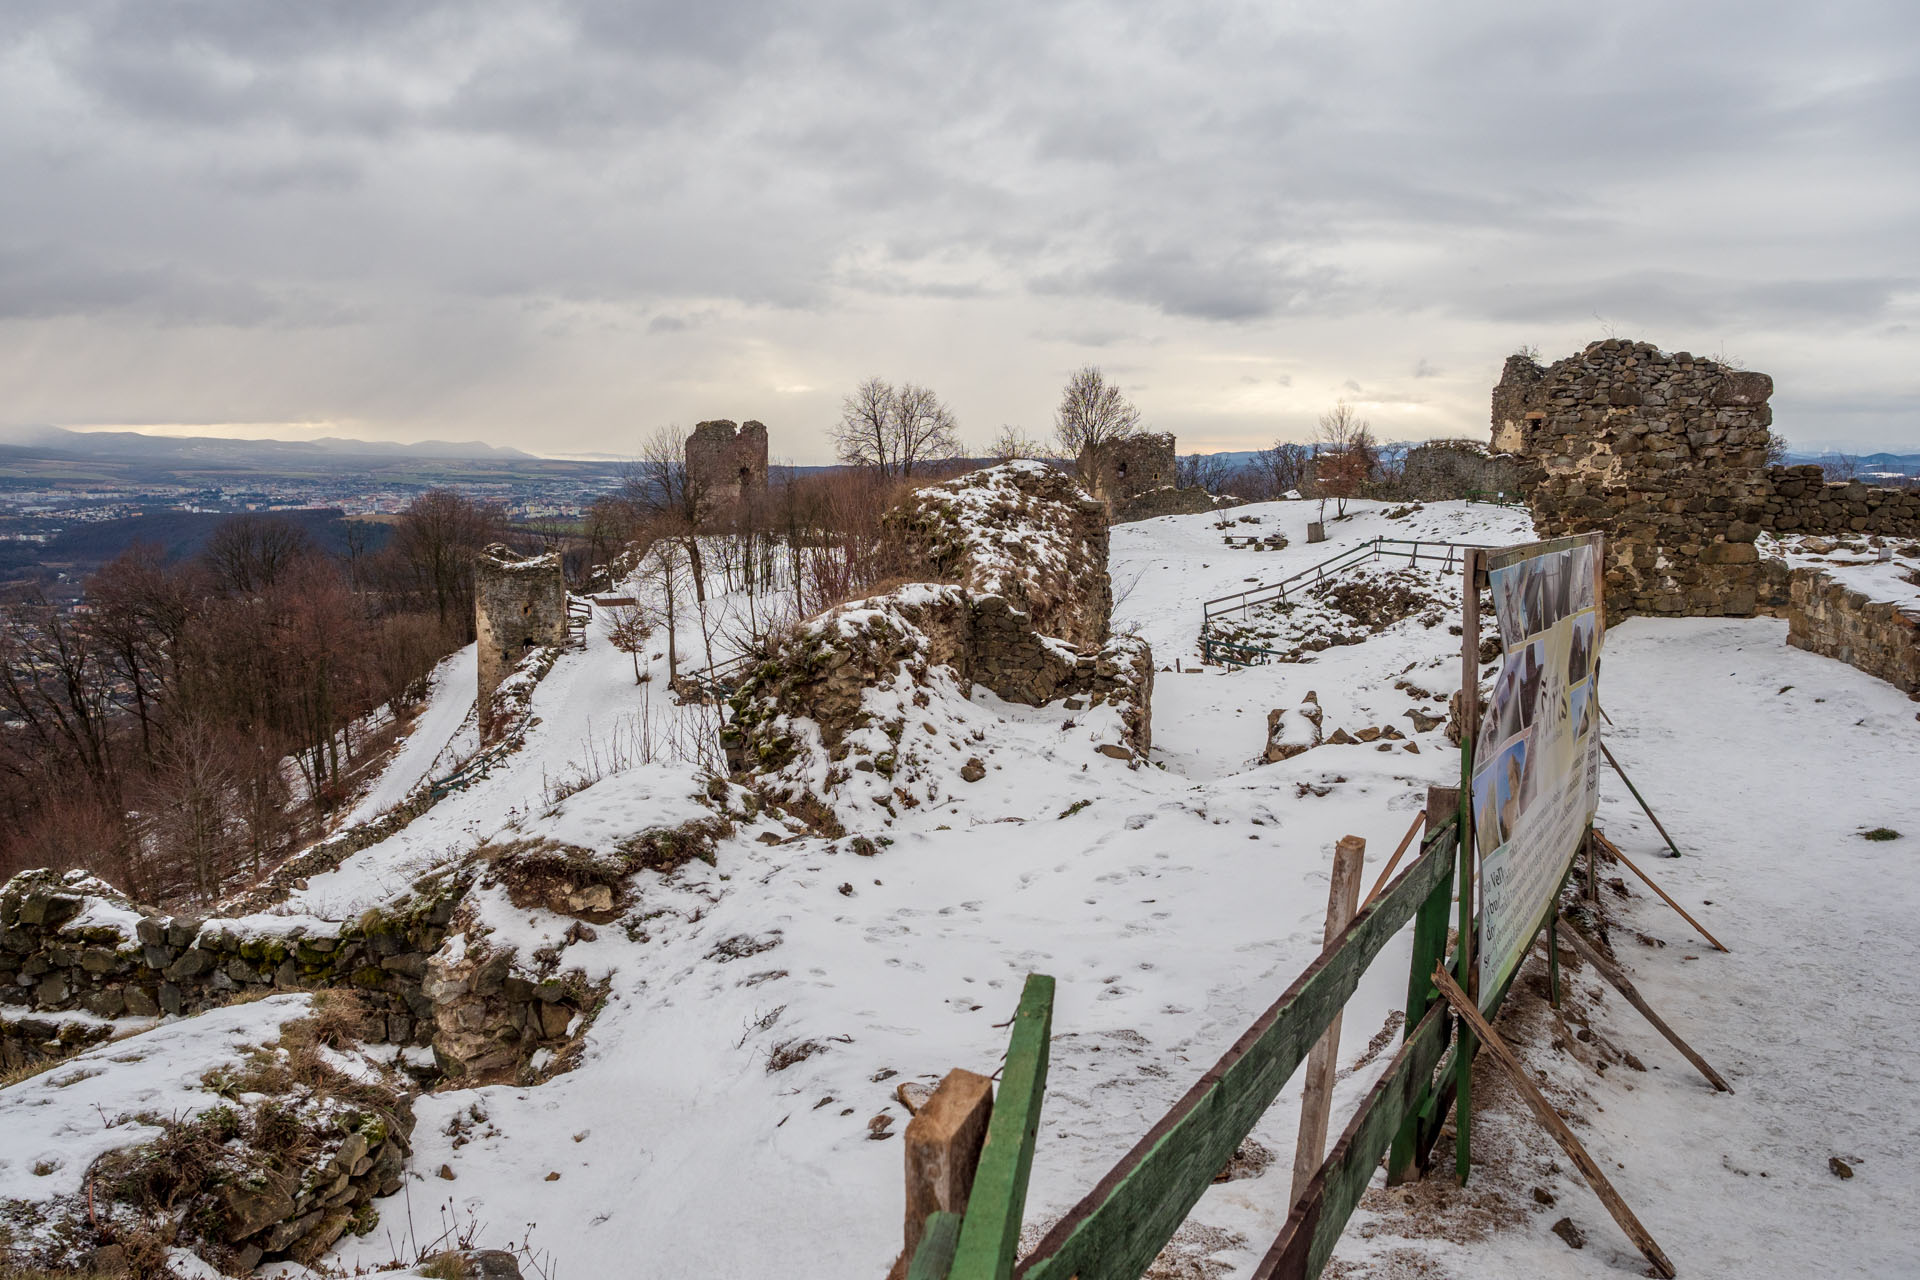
[{"x": 1020, "y": 607}]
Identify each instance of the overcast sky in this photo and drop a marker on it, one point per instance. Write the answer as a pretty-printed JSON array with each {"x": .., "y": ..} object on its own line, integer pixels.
[{"x": 559, "y": 225}]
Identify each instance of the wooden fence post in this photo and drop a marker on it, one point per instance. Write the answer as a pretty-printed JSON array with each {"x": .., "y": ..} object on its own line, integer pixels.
[
  {"x": 1471, "y": 571},
  {"x": 990, "y": 1235},
  {"x": 1316, "y": 1099},
  {"x": 1408, "y": 1159},
  {"x": 942, "y": 1152}
]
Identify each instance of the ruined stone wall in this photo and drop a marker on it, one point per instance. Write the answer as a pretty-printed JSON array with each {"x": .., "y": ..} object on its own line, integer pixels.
[
  {"x": 1022, "y": 531},
  {"x": 74, "y": 955},
  {"x": 1667, "y": 455},
  {"x": 726, "y": 466},
  {"x": 1663, "y": 453},
  {"x": 1137, "y": 478},
  {"x": 1877, "y": 636},
  {"x": 518, "y": 605},
  {"x": 66, "y": 944},
  {"x": 1802, "y": 500},
  {"x": 1124, "y": 469}
]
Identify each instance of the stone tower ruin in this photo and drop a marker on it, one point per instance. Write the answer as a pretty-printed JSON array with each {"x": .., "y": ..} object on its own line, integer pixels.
[
  {"x": 1137, "y": 478},
  {"x": 726, "y": 466},
  {"x": 1666, "y": 454},
  {"x": 519, "y": 604}
]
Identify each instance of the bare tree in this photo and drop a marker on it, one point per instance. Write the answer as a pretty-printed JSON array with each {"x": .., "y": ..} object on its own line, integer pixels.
[
  {"x": 894, "y": 430},
  {"x": 1092, "y": 414},
  {"x": 1776, "y": 449},
  {"x": 1209, "y": 471},
  {"x": 434, "y": 543},
  {"x": 249, "y": 554},
  {"x": 1282, "y": 468},
  {"x": 1840, "y": 466},
  {"x": 1014, "y": 443},
  {"x": 628, "y": 629},
  {"x": 664, "y": 568},
  {"x": 1344, "y": 457}
]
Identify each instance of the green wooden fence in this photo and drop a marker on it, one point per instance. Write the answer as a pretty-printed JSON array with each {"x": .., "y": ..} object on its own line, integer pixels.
[{"x": 1118, "y": 1228}]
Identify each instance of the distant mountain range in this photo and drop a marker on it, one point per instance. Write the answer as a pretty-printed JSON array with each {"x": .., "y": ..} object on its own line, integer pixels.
[{"x": 189, "y": 451}]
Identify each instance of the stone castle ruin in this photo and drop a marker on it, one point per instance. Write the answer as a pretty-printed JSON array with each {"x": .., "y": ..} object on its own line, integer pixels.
[
  {"x": 726, "y": 466},
  {"x": 1137, "y": 477},
  {"x": 519, "y": 604},
  {"x": 1667, "y": 455}
]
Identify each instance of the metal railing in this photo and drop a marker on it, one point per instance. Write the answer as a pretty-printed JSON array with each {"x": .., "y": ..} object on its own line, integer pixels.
[{"x": 1440, "y": 555}]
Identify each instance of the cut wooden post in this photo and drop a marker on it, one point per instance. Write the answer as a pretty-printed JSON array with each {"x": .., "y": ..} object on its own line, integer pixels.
[
  {"x": 1627, "y": 862},
  {"x": 1589, "y": 1169},
  {"x": 1316, "y": 1100},
  {"x": 1386, "y": 872},
  {"x": 991, "y": 1232},
  {"x": 1642, "y": 799},
  {"x": 1625, "y": 987},
  {"x": 943, "y": 1143}
]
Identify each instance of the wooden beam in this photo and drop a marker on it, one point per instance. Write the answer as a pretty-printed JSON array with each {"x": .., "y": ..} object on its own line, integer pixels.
[
  {"x": 1118, "y": 1228},
  {"x": 1627, "y": 862},
  {"x": 995, "y": 1209},
  {"x": 943, "y": 1142},
  {"x": 1316, "y": 1098},
  {"x": 1320, "y": 1214},
  {"x": 1625, "y": 987},
  {"x": 1642, "y": 799},
  {"x": 1386, "y": 872},
  {"x": 1562, "y": 1134}
]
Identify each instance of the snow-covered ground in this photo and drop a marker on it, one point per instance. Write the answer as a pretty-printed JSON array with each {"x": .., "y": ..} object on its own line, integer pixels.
[
  {"x": 432, "y": 745},
  {"x": 1855, "y": 563},
  {"x": 59, "y": 1122},
  {"x": 1172, "y": 903}
]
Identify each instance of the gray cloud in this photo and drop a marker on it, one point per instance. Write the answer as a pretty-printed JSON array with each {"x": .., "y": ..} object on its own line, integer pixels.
[{"x": 791, "y": 198}]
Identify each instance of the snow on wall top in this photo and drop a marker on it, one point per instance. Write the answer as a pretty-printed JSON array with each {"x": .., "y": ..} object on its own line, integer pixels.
[{"x": 1024, "y": 531}]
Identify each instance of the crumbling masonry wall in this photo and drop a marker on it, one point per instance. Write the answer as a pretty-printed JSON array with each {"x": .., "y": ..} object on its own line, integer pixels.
[
  {"x": 726, "y": 466},
  {"x": 1667, "y": 455},
  {"x": 1879, "y": 637},
  {"x": 519, "y": 605},
  {"x": 1138, "y": 477},
  {"x": 1663, "y": 453}
]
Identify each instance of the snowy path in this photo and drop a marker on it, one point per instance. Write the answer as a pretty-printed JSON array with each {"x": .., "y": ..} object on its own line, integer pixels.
[{"x": 450, "y": 698}]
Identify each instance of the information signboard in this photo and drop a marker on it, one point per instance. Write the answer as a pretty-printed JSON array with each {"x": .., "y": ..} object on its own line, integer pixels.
[{"x": 1537, "y": 755}]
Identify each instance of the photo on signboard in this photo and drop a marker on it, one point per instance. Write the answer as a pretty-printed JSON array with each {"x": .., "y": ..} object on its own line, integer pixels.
[
  {"x": 1531, "y": 666},
  {"x": 1509, "y": 605},
  {"x": 1502, "y": 718},
  {"x": 1533, "y": 589},
  {"x": 1511, "y": 782},
  {"x": 1554, "y": 585},
  {"x": 1580, "y": 654},
  {"x": 1487, "y": 835},
  {"x": 1581, "y": 593},
  {"x": 1582, "y": 708}
]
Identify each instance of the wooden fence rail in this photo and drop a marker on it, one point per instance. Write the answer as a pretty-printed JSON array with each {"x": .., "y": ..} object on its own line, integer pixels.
[{"x": 1115, "y": 1232}]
